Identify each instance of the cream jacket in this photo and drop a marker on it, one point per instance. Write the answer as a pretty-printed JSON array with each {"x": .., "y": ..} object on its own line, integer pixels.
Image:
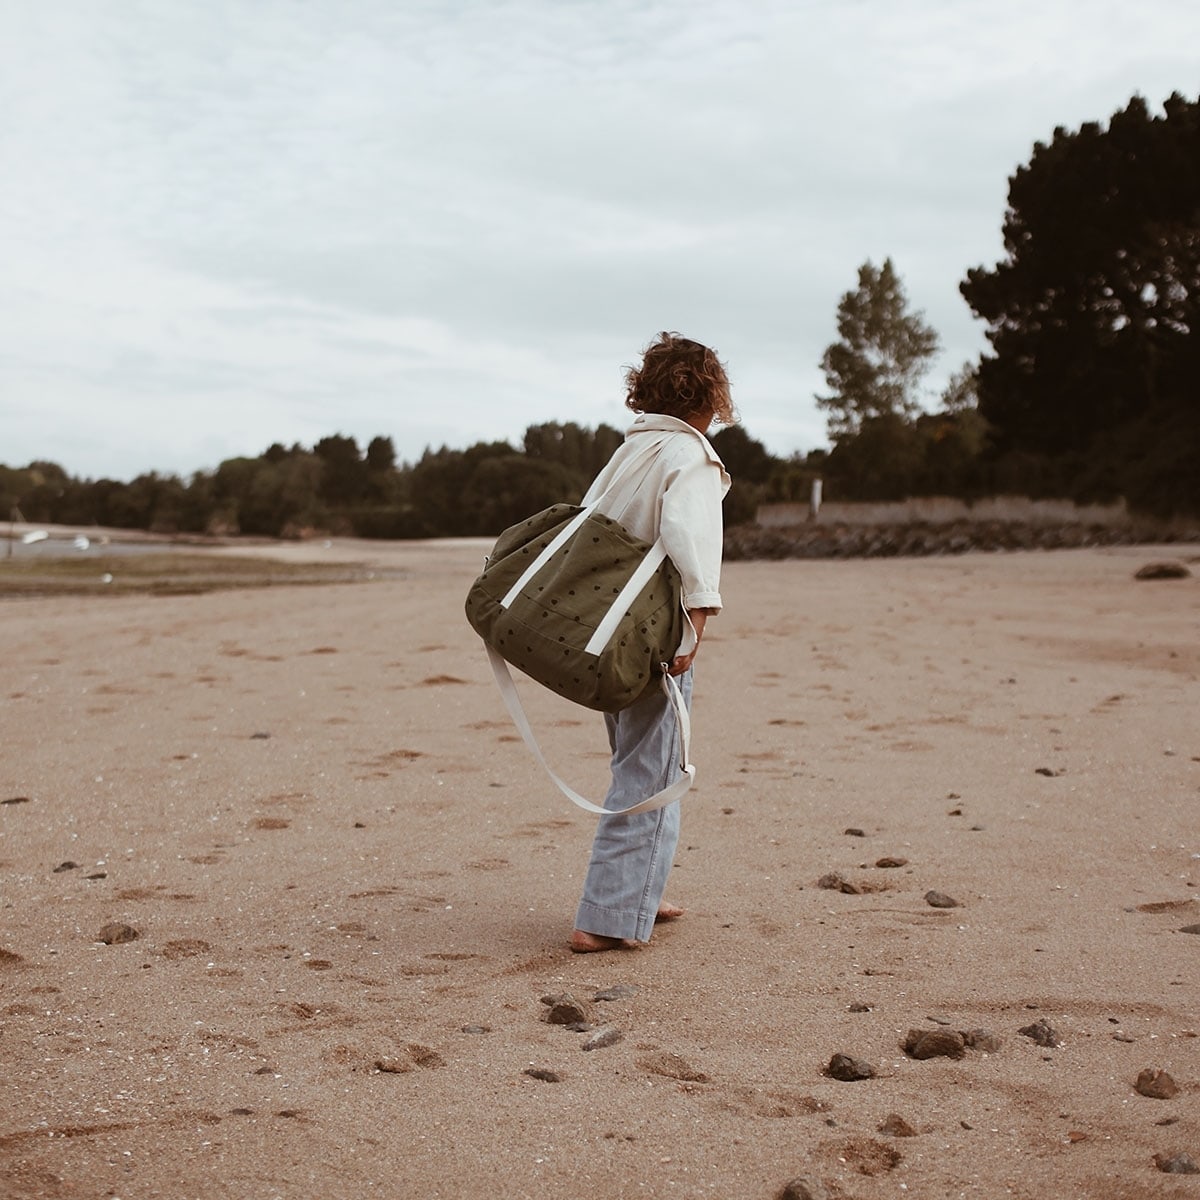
[{"x": 677, "y": 495}]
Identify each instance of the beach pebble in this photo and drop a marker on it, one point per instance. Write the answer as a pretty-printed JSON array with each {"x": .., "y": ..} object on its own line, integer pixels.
[
  {"x": 114, "y": 933},
  {"x": 1190, "y": 929},
  {"x": 65, "y": 866},
  {"x": 564, "y": 1009},
  {"x": 940, "y": 900},
  {"x": 609, "y": 1035},
  {"x": 1165, "y": 569},
  {"x": 853, "y": 832},
  {"x": 1157, "y": 1084},
  {"x": 543, "y": 1074},
  {"x": 858, "y": 1007},
  {"x": 891, "y": 860},
  {"x": 894, "y": 1125},
  {"x": 1042, "y": 1032},
  {"x": 833, "y": 882},
  {"x": 476, "y": 1029},
  {"x": 983, "y": 1040},
  {"x": 848, "y": 1069},
  {"x": 619, "y": 991},
  {"x": 1178, "y": 1163},
  {"x": 803, "y": 1188},
  {"x": 16, "y": 800},
  {"x": 934, "y": 1043}
]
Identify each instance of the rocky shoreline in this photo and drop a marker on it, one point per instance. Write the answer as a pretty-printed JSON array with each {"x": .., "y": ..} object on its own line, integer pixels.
[{"x": 920, "y": 538}]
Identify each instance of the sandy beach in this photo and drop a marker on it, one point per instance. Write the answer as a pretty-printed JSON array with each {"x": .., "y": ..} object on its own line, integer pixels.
[{"x": 351, "y": 888}]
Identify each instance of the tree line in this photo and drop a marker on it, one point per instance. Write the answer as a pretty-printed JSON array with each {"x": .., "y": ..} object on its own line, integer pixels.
[{"x": 1090, "y": 389}]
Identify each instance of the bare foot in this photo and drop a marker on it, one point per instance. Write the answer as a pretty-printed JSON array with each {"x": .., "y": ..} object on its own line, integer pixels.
[
  {"x": 593, "y": 943},
  {"x": 668, "y": 912}
]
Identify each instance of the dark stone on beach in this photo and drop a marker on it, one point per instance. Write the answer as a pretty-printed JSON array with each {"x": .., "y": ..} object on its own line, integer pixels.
[
  {"x": 894, "y": 1125},
  {"x": 1178, "y": 1163},
  {"x": 803, "y": 1188},
  {"x": 543, "y": 1074},
  {"x": 115, "y": 933},
  {"x": 848, "y": 1069},
  {"x": 16, "y": 800},
  {"x": 1042, "y": 1033},
  {"x": 619, "y": 991},
  {"x": 476, "y": 1029},
  {"x": 934, "y": 1043},
  {"x": 859, "y": 1008},
  {"x": 260, "y": 736},
  {"x": 564, "y": 1009},
  {"x": 940, "y": 900},
  {"x": 854, "y": 832},
  {"x": 890, "y": 860},
  {"x": 983, "y": 1040},
  {"x": 833, "y": 882},
  {"x": 1167, "y": 569},
  {"x": 65, "y": 866},
  {"x": 97, "y": 875},
  {"x": 1155, "y": 1083},
  {"x": 608, "y": 1036},
  {"x": 1049, "y": 772},
  {"x": 1190, "y": 929}
]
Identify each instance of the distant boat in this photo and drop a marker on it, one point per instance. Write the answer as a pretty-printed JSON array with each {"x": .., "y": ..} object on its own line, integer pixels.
[{"x": 36, "y": 535}]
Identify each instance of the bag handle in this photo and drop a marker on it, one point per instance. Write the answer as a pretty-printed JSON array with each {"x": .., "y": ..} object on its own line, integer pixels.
[{"x": 512, "y": 701}]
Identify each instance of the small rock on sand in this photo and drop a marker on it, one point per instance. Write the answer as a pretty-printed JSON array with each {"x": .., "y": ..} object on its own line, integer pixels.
[
  {"x": 803, "y": 1188},
  {"x": 1166, "y": 569},
  {"x": 940, "y": 900},
  {"x": 393, "y": 1066},
  {"x": 543, "y": 1074},
  {"x": 849, "y": 1069},
  {"x": 833, "y": 882},
  {"x": 1178, "y": 1163},
  {"x": 68, "y": 865},
  {"x": 1042, "y": 1032},
  {"x": 1190, "y": 929},
  {"x": 854, "y": 832},
  {"x": 934, "y": 1043},
  {"x": 619, "y": 991},
  {"x": 608, "y": 1036},
  {"x": 564, "y": 1009},
  {"x": 891, "y": 860},
  {"x": 114, "y": 933},
  {"x": 894, "y": 1125},
  {"x": 1157, "y": 1084}
]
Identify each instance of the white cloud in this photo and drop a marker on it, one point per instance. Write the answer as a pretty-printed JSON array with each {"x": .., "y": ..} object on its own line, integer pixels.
[{"x": 232, "y": 224}]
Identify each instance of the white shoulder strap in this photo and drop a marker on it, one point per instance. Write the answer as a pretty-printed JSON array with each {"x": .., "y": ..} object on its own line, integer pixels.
[{"x": 512, "y": 701}]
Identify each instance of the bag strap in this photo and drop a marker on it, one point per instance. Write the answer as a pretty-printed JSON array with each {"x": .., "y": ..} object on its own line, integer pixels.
[
  {"x": 564, "y": 535},
  {"x": 512, "y": 701}
]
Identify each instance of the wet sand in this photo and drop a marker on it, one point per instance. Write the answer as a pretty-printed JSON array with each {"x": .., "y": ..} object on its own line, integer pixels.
[{"x": 351, "y": 888}]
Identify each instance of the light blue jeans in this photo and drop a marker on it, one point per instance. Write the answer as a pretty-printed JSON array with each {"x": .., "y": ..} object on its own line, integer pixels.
[{"x": 632, "y": 856}]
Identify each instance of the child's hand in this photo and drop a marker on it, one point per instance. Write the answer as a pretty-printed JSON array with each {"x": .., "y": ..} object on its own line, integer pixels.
[{"x": 698, "y": 618}]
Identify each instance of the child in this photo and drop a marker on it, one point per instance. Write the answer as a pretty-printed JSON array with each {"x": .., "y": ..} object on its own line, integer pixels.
[{"x": 679, "y": 390}]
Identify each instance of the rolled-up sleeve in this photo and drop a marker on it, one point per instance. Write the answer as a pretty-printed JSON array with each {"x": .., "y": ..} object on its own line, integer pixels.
[{"x": 692, "y": 531}]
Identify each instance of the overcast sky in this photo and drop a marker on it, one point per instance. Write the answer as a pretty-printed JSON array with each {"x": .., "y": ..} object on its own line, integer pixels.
[{"x": 225, "y": 223}]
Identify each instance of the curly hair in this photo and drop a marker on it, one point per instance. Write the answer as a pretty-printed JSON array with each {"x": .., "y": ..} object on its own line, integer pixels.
[{"x": 679, "y": 378}]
